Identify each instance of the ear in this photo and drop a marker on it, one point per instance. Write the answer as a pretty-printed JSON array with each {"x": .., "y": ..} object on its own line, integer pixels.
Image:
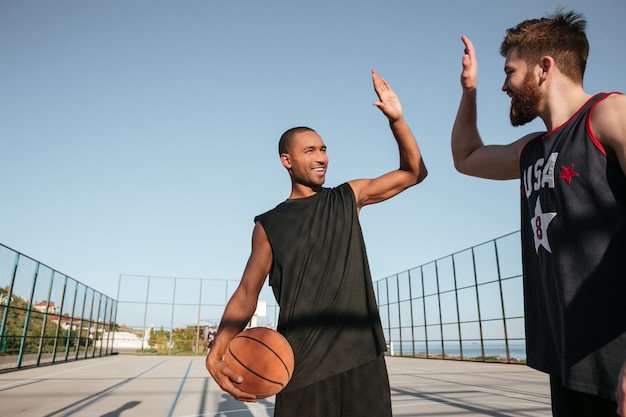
[
  {"x": 546, "y": 66},
  {"x": 285, "y": 160}
]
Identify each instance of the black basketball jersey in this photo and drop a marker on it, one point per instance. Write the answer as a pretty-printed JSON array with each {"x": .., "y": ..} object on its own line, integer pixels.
[
  {"x": 321, "y": 279},
  {"x": 573, "y": 228}
]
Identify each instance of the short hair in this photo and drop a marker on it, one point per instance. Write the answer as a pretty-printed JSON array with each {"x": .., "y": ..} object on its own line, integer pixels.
[
  {"x": 285, "y": 140},
  {"x": 560, "y": 35}
]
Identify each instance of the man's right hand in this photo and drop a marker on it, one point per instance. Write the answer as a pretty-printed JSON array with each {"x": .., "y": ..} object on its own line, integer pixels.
[
  {"x": 469, "y": 76},
  {"x": 226, "y": 378}
]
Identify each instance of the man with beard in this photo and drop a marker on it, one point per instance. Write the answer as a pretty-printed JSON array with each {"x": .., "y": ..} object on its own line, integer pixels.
[{"x": 573, "y": 208}]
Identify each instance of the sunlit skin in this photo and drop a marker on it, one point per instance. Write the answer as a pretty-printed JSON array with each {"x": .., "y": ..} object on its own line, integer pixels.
[
  {"x": 522, "y": 86},
  {"x": 470, "y": 155},
  {"x": 539, "y": 90},
  {"x": 306, "y": 161}
]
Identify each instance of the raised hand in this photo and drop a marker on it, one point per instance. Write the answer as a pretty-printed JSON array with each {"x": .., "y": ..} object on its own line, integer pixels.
[
  {"x": 469, "y": 76},
  {"x": 388, "y": 102}
]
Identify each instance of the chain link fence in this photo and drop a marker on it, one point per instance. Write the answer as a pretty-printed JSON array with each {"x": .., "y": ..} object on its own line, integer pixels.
[
  {"x": 174, "y": 315},
  {"x": 468, "y": 305},
  {"x": 49, "y": 317}
]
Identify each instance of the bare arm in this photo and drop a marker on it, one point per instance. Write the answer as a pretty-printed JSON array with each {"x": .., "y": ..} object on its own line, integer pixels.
[
  {"x": 608, "y": 123},
  {"x": 470, "y": 155},
  {"x": 411, "y": 170},
  {"x": 238, "y": 313}
]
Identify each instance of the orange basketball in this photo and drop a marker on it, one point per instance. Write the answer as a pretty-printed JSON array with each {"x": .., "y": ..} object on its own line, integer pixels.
[{"x": 263, "y": 357}]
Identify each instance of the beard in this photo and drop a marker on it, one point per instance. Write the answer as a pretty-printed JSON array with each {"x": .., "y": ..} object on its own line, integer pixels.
[{"x": 525, "y": 103}]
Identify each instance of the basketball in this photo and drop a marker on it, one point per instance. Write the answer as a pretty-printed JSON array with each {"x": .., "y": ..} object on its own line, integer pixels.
[{"x": 263, "y": 357}]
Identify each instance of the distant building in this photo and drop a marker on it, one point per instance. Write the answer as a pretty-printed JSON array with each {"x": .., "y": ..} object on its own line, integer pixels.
[
  {"x": 45, "y": 307},
  {"x": 126, "y": 340},
  {"x": 66, "y": 322}
]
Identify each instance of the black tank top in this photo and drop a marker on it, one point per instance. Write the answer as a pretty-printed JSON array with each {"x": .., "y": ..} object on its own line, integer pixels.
[
  {"x": 573, "y": 227},
  {"x": 321, "y": 280}
]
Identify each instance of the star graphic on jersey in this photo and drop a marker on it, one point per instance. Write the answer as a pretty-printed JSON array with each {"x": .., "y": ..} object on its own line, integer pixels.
[
  {"x": 540, "y": 223},
  {"x": 568, "y": 173}
]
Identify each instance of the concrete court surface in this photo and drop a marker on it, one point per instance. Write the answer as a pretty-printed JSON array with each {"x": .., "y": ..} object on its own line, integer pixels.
[{"x": 154, "y": 386}]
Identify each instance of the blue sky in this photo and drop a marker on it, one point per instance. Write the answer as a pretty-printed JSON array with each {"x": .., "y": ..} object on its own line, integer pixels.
[{"x": 139, "y": 137}]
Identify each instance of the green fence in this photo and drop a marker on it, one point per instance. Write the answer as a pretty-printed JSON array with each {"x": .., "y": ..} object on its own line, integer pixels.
[
  {"x": 176, "y": 315},
  {"x": 468, "y": 305},
  {"x": 49, "y": 317}
]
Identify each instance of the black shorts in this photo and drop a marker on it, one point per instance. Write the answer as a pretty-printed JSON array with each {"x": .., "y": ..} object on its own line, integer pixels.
[
  {"x": 359, "y": 392},
  {"x": 570, "y": 403}
]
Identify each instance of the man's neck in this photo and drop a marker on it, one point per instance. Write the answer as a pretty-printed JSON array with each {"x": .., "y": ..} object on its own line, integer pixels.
[
  {"x": 562, "y": 105},
  {"x": 303, "y": 191}
]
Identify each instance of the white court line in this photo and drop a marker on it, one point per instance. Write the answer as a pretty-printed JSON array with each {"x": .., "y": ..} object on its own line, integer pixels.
[
  {"x": 403, "y": 405},
  {"x": 53, "y": 374},
  {"x": 259, "y": 407},
  {"x": 430, "y": 402}
]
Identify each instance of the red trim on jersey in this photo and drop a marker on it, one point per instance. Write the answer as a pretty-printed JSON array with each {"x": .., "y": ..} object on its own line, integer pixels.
[
  {"x": 593, "y": 137},
  {"x": 556, "y": 129}
]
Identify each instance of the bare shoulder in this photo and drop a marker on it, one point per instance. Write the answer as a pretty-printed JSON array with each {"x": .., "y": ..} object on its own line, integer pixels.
[
  {"x": 357, "y": 185},
  {"x": 258, "y": 233},
  {"x": 613, "y": 103},
  {"x": 519, "y": 144},
  {"x": 612, "y": 106},
  {"x": 608, "y": 121}
]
